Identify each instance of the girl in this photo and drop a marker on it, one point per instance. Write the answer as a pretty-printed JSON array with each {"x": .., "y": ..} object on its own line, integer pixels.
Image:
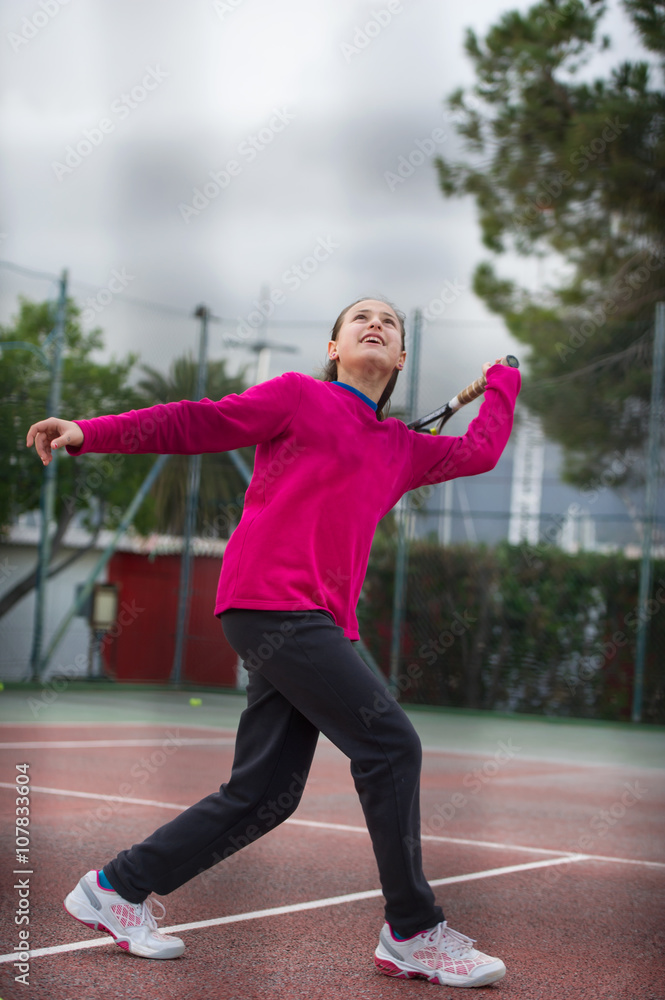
[{"x": 328, "y": 467}]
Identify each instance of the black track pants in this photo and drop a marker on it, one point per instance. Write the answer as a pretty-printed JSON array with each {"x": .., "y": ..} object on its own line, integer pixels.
[{"x": 305, "y": 677}]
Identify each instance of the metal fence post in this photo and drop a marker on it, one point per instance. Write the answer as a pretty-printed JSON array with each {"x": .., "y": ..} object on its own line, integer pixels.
[
  {"x": 47, "y": 497},
  {"x": 651, "y": 496},
  {"x": 403, "y": 512},
  {"x": 193, "y": 481}
]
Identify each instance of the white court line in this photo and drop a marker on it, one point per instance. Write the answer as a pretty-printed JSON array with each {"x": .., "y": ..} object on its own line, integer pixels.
[
  {"x": 98, "y": 795},
  {"x": 482, "y": 843},
  {"x": 184, "y": 741},
  {"x": 434, "y": 837},
  {"x": 346, "y": 828},
  {"x": 313, "y": 904},
  {"x": 137, "y": 724},
  {"x": 441, "y": 751}
]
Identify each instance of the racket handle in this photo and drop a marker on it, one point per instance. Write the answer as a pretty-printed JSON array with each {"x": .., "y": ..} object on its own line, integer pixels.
[
  {"x": 477, "y": 388},
  {"x": 472, "y": 391}
]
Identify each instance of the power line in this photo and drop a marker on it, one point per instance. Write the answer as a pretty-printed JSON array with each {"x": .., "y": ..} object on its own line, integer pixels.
[
  {"x": 222, "y": 321},
  {"x": 29, "y": 271},
  {"x": 610, "y": 359},
  {"x": 146, "y": 303},
  {"x": 464, "y": 322},
  {"x": 309, "y": 323},
  {"x": 159, "y": 306}
]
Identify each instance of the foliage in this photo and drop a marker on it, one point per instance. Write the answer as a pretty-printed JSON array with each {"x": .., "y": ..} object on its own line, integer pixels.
[
  {"x": 573, "y": 167},
  {"x": 222, "y": 488},
  {"x": 518, "y": 629},
  {"x": 98, "y": 488},
  {"x": 93, "y": 486}
]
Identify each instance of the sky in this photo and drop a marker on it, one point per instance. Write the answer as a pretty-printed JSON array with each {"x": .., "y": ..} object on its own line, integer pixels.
[{"x": 290, "y": 120}]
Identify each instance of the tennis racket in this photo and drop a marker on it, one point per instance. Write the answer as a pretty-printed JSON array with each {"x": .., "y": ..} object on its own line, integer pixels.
[{"x": 444, "y": 413}]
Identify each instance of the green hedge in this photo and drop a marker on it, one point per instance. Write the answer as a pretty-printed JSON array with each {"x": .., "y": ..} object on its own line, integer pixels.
[{"x": 514, "y": 628}]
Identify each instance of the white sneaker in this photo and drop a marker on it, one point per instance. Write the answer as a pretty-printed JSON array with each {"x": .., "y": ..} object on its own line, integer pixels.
[
  {"x": 441, "y": 955},
  {"x": 133, "y": 925}
]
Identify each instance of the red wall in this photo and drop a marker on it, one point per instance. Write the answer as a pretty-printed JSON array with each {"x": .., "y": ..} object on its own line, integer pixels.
[{"x": 143, "y": 648}]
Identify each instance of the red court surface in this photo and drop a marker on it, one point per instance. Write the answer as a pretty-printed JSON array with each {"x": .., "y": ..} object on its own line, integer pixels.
[{"x": 555, "y": 867}]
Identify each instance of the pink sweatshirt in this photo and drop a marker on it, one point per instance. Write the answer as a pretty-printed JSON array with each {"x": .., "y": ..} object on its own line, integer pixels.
[{"x": 326, "y": 471}]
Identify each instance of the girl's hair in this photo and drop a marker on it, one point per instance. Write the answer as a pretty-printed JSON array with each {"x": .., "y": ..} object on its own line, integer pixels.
[{"x": 329, "y": 371}]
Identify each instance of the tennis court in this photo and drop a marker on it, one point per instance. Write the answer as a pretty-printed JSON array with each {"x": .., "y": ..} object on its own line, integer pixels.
[{"x": 542, "y": 839}]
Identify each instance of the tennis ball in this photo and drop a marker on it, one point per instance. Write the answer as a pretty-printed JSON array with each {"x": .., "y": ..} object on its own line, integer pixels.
[{"x": 195, "y": 702}]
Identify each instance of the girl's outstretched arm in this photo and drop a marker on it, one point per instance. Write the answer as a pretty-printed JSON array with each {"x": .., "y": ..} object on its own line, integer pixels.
[
  {"x": 188, "y": 427},
  {"x": 53, "y": 433}
]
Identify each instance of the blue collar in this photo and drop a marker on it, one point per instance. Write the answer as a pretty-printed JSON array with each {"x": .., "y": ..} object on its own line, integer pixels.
[{"x": 357, "y": 392}]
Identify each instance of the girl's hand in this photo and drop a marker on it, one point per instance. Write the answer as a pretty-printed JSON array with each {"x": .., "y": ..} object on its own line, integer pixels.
[
  {"x": 53, "y": 433},
  {"x": 488, "y": 364}
]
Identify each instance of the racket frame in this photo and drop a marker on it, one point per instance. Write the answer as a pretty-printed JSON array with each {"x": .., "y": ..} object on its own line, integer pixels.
[{"x": 466, "y": 395}]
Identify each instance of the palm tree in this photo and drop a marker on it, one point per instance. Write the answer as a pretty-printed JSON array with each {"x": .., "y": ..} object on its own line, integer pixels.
[{"x": 222, "y": 488}]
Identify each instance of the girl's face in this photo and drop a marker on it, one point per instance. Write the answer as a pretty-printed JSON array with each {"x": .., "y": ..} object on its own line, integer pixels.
[{"x": 369, "y": 341}]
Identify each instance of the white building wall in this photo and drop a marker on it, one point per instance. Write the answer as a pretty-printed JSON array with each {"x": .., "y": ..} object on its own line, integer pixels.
[
  {"x": 16, "y": 627},
  {"x": 527, "y": 487}
]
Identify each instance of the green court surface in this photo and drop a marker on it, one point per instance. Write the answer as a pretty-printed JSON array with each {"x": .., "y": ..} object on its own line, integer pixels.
[{"x": 458, "y": 731}]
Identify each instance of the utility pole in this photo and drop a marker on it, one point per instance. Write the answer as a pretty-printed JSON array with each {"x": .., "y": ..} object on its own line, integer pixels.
[
  {"x": 262, "y": 346},
  {"x": 193, "y": 481},
  {"x": 403, "y": 514},
  {"x": 650, "y": 501},
  {"x": 47, "y": 496},
  {"x": 263, "y": 352}
]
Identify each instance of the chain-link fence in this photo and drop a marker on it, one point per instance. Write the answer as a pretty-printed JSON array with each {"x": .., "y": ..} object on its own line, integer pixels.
[
  {"x": 470, "y": 620},
  {"x": 516, "y": 628}
]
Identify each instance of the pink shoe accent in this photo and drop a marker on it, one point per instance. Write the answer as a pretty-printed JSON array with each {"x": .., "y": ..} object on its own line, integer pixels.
[
  {"x": 104, "y": 930},
  {"x": 402, "y": 940},
  {"x": 93, "y": 926},
  {"x": 390, "y": 969}
]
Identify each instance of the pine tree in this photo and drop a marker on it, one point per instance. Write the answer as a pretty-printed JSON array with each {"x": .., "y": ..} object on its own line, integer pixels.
[{"x": 572, "y": 167}]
